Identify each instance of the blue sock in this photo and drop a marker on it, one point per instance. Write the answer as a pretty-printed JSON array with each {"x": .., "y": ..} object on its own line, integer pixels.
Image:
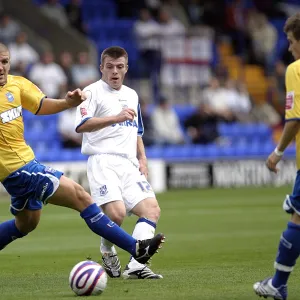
[
  {"x": 288, "y": 252},
  {"x": 9, "y": 232},
  {"x": 99, "y": 223}
]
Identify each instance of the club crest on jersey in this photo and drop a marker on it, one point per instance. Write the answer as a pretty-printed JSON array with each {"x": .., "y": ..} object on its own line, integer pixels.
[
  {"x": 289, "y": 101},
  {"x": 103, "y": 190},
  {"x": 9, "y": 97},
  {"x": 83, "y": 111}
]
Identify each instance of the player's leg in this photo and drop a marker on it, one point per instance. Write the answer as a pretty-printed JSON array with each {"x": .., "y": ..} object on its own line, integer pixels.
[
  {"x": 72, "y": 195},
  {"x": 116, "y": 211},
  {"x": 105, "y": 186},
  {"x": 22, "y": 186},
  {"x": 288, "y": 250},
  {"x": 140, "y": 200},
  {"x": 24, "y": 222}
]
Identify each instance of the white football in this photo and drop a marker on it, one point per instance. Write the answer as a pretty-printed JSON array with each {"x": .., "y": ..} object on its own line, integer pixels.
[{"x": 88, "y": 278}]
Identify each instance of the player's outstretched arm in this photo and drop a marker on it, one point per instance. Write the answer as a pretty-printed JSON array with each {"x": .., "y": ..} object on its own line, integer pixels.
[{"x": 52, "y": 106}]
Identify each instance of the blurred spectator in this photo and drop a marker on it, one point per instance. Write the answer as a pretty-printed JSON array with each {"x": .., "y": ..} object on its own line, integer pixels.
[
  {"x": 177, "y": 11},
  {"x": 8, "y": 29},
  {"x": 195, "y": 11},
  {"x": 148, "y": 136},
  {"x": 276, "y": 88},
  {"x": 22, "y": 54},
  {"x": 166, "y": 124},
  {"x": 169, "y": 26},
  {"x": 263, "y": 38},
  {"x": 147, "y": 32},
  {"x": 73, "y": 11},
  {"x": 66, "y": 63},
  {"x": 236, "y": 13},
  {"x": 219, "y": 99},
  {"x": 202, "y": 126},
  {"x": 54, "y": 10},
  {"x": 153, "y": 6},
  {"x": 272, "y": 9},
  {"x": 243, "y": 105},
  {"x": 66, "y": 127},
  {"x": 265, "y": 113},
  {"x": 49, "y": 76},
  {"x": 84, "y": 73}
]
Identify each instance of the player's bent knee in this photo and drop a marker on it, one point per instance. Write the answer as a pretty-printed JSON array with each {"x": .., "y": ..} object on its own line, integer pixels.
[
  {"x": 83, "y": 198},
  {"x": 118, "y": 217},
  {"x": 115, "y": 210},
  {"x": 154, "y": 213},
  {"x": 148, "y": 208},
  {"x": 27, "y": 223}
]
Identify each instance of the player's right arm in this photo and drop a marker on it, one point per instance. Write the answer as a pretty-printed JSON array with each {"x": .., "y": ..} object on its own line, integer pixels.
[
  {"x": 87, "y": 122},
  {"x": 34, "y": 100},
  {"x": 292, "y": 117}
]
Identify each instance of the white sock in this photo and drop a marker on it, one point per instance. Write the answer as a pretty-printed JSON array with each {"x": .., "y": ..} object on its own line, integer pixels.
[
  {"x": 144, "y": 229},
  {"x": 107, "y": 247}
]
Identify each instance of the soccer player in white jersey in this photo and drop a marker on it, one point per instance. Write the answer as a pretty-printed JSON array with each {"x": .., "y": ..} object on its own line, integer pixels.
[{"x": 111, "y": 122}]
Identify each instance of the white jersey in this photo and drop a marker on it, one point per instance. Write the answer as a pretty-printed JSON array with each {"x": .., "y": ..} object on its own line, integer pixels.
[{"x": 120, "y": 138}]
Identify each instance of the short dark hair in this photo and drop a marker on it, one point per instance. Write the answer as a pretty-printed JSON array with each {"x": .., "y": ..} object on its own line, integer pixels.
[
  {"x": 292, "y": 24},
  {"x": 114, "y": 52}
]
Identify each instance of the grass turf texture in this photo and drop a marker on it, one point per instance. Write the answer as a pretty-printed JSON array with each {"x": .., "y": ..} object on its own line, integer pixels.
[{"x": 219, "y": 242}]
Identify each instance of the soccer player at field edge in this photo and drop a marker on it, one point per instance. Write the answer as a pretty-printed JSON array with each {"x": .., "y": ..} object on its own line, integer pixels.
[
  {"x": 117, "y": 165},
  {"x": 30, "y": 184},
  {"x": 289, "y": 244}
]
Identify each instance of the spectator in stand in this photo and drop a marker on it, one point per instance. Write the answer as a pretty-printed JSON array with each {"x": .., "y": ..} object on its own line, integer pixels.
[
  {"x": 54, "y": 10},
  {"x": 263, "y": 39},
  {"x": 243, "y": 104},
  {"x": 217, "y": 99},
  {"x": 147, "y": 32},
  {"x": 235, "y": 23},
  {"x": 177, "y": 11},
  {"x": 202, "y": 126},
  {"x": 9, "y": 29},
  {"x": 169, "y": 26},
  {"x": 66, "y": 63},
  {"x": 73, "y": 12},
  {"x": 276, "y": 88},
  {"x": 84, "y": 73},
  {"x": 49, "y": 76},
  {"x": 70, "y": 138},
  {"x": 166, "y": 124},
  {"x": 22, "y": 54},
  {"x": 149, "y": 135},
  {"x": 195, "y": 11}
]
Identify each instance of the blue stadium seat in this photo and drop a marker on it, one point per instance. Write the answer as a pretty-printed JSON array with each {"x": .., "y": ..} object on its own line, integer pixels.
[{"x": 98, "y": 10}]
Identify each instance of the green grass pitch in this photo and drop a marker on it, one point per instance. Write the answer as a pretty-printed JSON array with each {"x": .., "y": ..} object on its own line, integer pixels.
[{"x": 219, "y": 242}]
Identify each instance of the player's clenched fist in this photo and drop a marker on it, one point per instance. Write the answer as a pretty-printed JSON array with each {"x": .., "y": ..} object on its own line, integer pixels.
[
  {"x": 126, "y": 114},
  {"x": 272, "y": 162},
  {"x": 74, "y": 98}
]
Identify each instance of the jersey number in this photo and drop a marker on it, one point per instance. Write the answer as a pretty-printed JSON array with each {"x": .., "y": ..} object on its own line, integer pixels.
[{"x": 145, "y": 186}]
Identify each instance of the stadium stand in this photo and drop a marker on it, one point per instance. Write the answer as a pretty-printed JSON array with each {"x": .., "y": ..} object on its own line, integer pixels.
[{"x": 104, "y": 28}]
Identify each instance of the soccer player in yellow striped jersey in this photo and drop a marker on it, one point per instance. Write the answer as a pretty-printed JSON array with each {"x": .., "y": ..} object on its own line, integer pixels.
[
  {"x": 289, "y": 244},
  {"x": 30, "y": 183}
]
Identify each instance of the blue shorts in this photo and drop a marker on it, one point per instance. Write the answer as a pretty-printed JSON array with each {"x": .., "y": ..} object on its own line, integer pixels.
[
  {"x": 293, "y": 200},
  {"x": 31, "y": 186}
]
